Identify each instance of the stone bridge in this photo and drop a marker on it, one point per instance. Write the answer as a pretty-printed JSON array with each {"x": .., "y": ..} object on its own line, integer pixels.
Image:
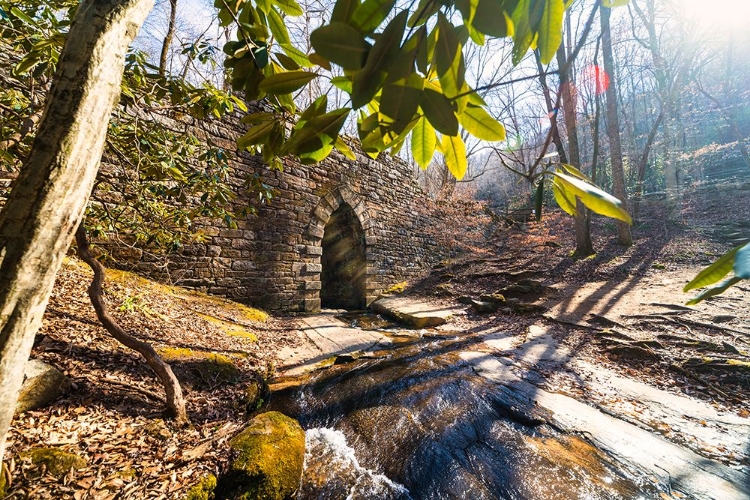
[{"x": 335, "y": 235}]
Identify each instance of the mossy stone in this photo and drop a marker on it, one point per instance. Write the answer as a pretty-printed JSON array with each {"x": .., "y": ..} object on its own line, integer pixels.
[
  {"x": 56, "y": 461},
  {"x": 204, "y": 490},
  {"x": 4, "y": 479},
  {"x": 218, "y": 369},
  {"x": 270, "y": 454}
]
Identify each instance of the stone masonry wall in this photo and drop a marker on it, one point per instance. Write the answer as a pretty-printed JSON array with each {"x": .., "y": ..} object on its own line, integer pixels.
[{"x": 273, "y": 259}]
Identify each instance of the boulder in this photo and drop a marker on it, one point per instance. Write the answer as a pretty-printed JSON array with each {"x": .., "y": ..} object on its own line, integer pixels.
[
  {"x": 270, "y": 453},
  {"x": 411, "y": 312},
  {"x": 484, "y": 307},
  {"x": 42, "y": 384},
  {"x": 54, "y": 461},
  {"x": 203, "y": 490}
]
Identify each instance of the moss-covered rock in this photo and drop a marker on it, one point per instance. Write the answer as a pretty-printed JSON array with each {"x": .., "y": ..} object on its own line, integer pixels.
[
  {"x": 42, "y": 384},
  {"x": 204, "y": 490},
  {"x": 55, "y": 461},
  {"x": 270, "y": 453},
  {"x": 217, "y": 369},
  {"x": 4, "y": 479}
]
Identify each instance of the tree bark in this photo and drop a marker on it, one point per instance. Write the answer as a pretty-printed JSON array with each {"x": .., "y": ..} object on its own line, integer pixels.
[
  {"x": 175, "y": 400},
  {"x": 584, "y": 245},
  {"x": 48, "y": 200},
  {"x": 168, "y": 37},
  {"x": 642, "y": 166},
  {"x": 551, "y": 111},
  {"x": 613, "y": 127}
]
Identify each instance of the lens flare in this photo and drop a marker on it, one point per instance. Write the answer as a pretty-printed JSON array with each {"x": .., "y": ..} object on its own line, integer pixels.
[{"x": 595, "y": 76}]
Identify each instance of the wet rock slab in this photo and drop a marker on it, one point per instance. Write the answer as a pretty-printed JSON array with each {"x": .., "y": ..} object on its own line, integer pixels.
[
  {"x": 412, "y": 312},
  {"x": 679, "y": 468},
  {"x": 324, "y": 338}
]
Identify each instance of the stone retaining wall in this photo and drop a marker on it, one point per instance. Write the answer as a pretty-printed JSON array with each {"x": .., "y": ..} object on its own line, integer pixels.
[{"x": 273, "y": 260}]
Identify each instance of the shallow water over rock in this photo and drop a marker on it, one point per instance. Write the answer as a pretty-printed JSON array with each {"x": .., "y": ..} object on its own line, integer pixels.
[{"x": 423, "y": 424}]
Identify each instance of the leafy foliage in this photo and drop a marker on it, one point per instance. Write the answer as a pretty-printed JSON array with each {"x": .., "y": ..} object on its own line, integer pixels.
[
  {"x": 164, "y": 177},
  {"x": 737, "y": 260}
]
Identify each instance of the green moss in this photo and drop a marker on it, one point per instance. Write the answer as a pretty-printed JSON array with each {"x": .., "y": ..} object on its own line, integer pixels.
[
  {"x": 270, "y": 454},
  {"x": 217, "y": 368},
  {"x": 204, "y": 490},
  {"x": 231, "y": 329},
  {"x": 176, "y": 353},
  {"x": 4, "y": 479},
  {"x": 158, "y": 429},
  {"x": 55, "y": 461},
  {"x": 397, "y": 288}
]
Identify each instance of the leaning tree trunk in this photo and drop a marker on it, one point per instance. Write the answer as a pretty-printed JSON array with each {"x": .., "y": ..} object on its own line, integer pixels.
[
  {"x": 613, "y": 127},
  {"x": 584, "y": 245},
  {"x": 167, "y": 42},
  {"x": 47, "y": 202},
  {"x": 175, "y": 401}
]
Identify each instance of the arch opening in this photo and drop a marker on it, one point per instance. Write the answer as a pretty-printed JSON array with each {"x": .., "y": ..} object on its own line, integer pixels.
[{"x": 344, "y": 266}]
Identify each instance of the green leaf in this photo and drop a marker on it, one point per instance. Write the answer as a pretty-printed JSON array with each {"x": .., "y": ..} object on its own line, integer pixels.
[
  {"x": 257, "y": 117},
  {"x": 289, "y": 7},
  {"x": 364, "y": 87},
  {"x": 539, "y": 199},
  {"x": 287, "y": 82},
  {"x": 550, "y": 30},
  {"x": 449, "y": 58},
  {"x": 425, "y": 10},
  {"x": 714, "y": 272},
  {"x": 481, "y": 125},
  {"x": 571, "y": 170},
  {"x": 719, "y": 289},
  {"x": 22, "y": 16},
  {"x": 561, "y": 197},
  {"x": 286, "y": 62},
  {"x": 439, "y": 111},
  {"x": 400, "y": 101},
  {"x": 614, "y": 3},
  {"x": 491, "y": 19},
  {"x": 344, "y": 149},
  {"x": 524, "y": 34},
  {"x": 343, "y": 83},
  {"x": 317, "y": 133},
  {"x": 316, "y": 108},
  {"x": 278, "y": 28},
  {"x": 386, "y": 48},
  {"x": 343, "y": 10},
  {"x": 297, "y": 55},
  {"x": 255, "y": 135},
  {"x": 742, "y": 262},
  {"x": 423, "y": 143},
  {"x": 341, "y": 44},
  {"x": 454, "y": 152},
  {"x": 594, "y": 198},
  {"x": 368, "y": 16}
]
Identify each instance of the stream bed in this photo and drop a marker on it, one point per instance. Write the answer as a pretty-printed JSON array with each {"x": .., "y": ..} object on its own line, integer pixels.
[{"x": 419, "y": 422}]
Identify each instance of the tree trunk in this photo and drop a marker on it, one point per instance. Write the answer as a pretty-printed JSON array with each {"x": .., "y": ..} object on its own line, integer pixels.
[
  {"x": 551, "y": 111},
  {"x": 584, "y": 246},
  {"x": 168, "y": 37},
  {"x": 613, "y": 127},
  {"x": 175, "y": 401},
  {"x": 48, "y": 199},
  {"x": 642, "y": 167}
]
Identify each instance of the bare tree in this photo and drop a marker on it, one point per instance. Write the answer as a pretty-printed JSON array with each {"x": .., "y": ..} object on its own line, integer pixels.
[{"x": 613, "y": 128}]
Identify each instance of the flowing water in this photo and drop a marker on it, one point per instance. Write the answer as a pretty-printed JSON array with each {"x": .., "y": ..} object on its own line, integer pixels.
[{"x": 418, "y": 423}]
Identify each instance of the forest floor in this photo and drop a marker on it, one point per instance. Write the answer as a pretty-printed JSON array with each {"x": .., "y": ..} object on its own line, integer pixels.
[{"x": 621, "y": 309}]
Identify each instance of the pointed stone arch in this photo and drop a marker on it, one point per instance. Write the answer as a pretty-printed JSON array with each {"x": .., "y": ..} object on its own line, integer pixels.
[{"x": 336, "y": 201}]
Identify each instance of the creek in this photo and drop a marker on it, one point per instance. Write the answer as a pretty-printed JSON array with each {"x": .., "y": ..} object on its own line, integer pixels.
[{"x": 420, "y": 422}]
